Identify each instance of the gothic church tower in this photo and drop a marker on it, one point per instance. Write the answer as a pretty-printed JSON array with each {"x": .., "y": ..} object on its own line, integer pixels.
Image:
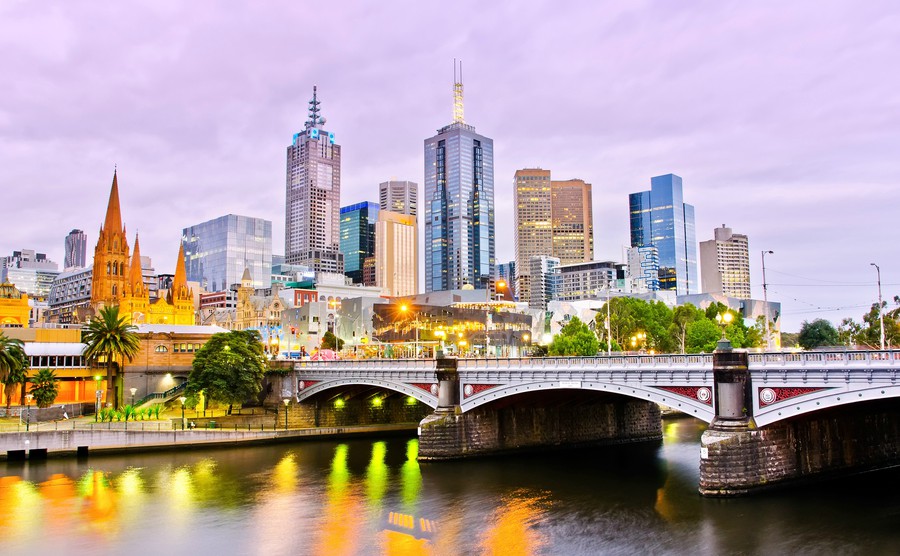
[{"x": 109, "y": 281}]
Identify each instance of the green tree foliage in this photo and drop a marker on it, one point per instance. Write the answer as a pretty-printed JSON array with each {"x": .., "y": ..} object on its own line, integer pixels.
[
  {"x": 230, "y": 367},
  {"x": 110, "y": 337},
  {"x": 330, "y": 341},
  {"x": 13, "y": 366},
  {"x": 867, "y": 332},
  {"x": 817, "y": 333},
  {"x": 44, "y": 387},
  {"x": 702, "y": 336},
  {"x": 575, "y": 338}
]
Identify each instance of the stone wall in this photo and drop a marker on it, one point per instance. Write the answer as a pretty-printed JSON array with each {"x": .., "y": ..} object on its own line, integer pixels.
[
  {"x": 815, "y": 446},
  {"x": 487, "y": 430},
  {"x": 353, "y": 412}
]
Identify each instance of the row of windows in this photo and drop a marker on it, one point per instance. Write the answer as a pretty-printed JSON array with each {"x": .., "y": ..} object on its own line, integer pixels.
[{"x": 179, "y": 348}]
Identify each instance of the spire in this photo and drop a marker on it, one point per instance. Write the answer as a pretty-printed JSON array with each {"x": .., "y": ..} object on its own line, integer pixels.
[
  {"x": 179, "y": 290},
  {"x": 136, "y": 277},
  {"x": 458, "y": 117},
  {"x": 246, "y": 277},
  {"x": 315, "y": 120},
  {"x": 113, "y": 222}
]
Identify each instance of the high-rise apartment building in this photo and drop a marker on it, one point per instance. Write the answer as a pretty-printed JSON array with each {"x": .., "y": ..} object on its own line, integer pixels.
[
  {"x": 643, "y": 269},
  {"x": 572, "y": 221},
  {"x": 396, "y": 253},
  {"x": 399, "y": 196},
  {"x": 552, "y": 218},
  {"x": 725, "y": 264},
  {"x": 459, "y": 205},
  {"x": 76, "y": 250},
  {"x": 312, "y": 207},
  {"x": 661, "y": 218},
  {"x": 218, "y": 251},
  {"x": 544, "y": 273},
  {"x": 358, "y": 237}
]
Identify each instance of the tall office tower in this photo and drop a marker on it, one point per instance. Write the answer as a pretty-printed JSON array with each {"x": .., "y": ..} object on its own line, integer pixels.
[
  {"x": 725, "y": 264},
  {"x": 358, "y": 237},
  {"x": 32, "y": 273},
  {"x": 643, "y": 269},
  {"x": 399, "y": 196},
  {"x": 544, "y": 272},
  {"x": 76, "y": 249},
  {"x": 459, "y": 204},
  {"x": 312, "y": 217},
  {"x": 572, "y": 222},
  {"x": 661, "y": 218},
  {"x": 216, "y": 252},
  {"x": 396, "y": 254},
  {"x": 533, "y": 219},
  {"x": 111, "y": 255}
]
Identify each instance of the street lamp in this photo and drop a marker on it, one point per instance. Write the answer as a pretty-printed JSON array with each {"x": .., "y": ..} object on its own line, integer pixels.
[
  {"x": 28, "y": 398},
  {"x": 182, "y": 399},
  {"x": 286, "y": 402},
  {"x": 405, "y": 309},
  {"x": 133, "y": 392},
  {"x": 525, "y": 338},
  {"x": 638, "y": 339},
  {"x": 766, "y": 299},
  {"x": 500, "y": 285},
  {"x": 880, "y": 310},
  {"x": 724, "y": 319},
  {"x": 335, "y": 305}
]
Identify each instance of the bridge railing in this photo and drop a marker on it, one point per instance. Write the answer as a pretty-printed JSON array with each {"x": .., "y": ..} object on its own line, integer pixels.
[
  {"x": 613, "y": 361},
  {"x": 836, "y": 359},
  {"x": 386, "y": 364}
]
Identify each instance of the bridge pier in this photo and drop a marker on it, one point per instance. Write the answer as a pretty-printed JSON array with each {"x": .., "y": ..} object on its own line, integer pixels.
[{"x": 448, "y": 433}]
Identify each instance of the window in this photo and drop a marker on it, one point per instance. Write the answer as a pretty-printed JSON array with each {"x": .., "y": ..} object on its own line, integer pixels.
[{"x": 161, "y": 349}]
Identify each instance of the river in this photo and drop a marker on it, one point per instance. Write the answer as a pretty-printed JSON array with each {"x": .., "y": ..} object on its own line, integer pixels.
[{"x": 370, "y": 496}]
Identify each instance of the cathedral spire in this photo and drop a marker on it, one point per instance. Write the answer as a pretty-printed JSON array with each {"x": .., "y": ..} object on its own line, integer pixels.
[
  {"x": 136, "y": 277},
  {"x": 113, "y": 222},
  {"x": 179, "y": 290}
]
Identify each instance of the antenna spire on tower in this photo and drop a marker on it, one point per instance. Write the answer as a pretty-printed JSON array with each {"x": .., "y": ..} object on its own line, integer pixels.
[
  {"x": 314, "y": 118},
  {"x": 458, "y": 115}
]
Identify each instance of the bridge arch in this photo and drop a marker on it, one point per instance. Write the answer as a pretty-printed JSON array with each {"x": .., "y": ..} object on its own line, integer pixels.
[
  {"x": 649, "y": 393},
  {"x": 826, "y": 398},
  {"x": 400, "y": 387}
]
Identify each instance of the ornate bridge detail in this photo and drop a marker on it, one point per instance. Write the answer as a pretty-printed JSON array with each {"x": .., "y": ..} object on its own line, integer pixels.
[{"x": 783, "y": 384}]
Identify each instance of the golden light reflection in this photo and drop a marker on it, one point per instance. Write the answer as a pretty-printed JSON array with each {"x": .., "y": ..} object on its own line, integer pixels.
[
  {"x": 339, "y": 532},
  {"x": 284, "y": 476},
  {"x": 410, "y": 475},
  {"x": 512, "y": 530},
  {"x": 21, "y": 503},
  {"x": 58, "y": 491},
  {"x": 99, "y": 499},
  {"x": 377, "y": 475},
  {"x": 132, "y": 493}
]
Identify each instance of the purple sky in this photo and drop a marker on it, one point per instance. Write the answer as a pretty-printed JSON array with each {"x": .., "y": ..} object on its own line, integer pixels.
[{"x": 783, "y": 118}]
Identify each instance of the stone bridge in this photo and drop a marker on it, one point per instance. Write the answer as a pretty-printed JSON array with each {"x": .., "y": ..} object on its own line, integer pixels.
[{"x": 775, "y": 418}]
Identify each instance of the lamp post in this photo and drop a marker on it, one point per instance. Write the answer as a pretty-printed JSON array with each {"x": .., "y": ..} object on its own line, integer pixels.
[
  {"x": 335, "y": 305},
  {"x": 525, "y": 338},
  {"x": 28, "y": 398},
  {"x": 405, "y": 309},
  {"x": 638, "y": 339},
  {"x": 880, "y": 309},
  {"x": 766, "y": 299},
  {"x": 724, "y": 319},
  {"x": 133, "y": 392},
  {"x": 99, "y": 394},
  {"x": 182, "y": 399},
  {"x": 287, "y": 401},
  {"x": 500, "y": 285},
  {"x": 608, "y": 321}
]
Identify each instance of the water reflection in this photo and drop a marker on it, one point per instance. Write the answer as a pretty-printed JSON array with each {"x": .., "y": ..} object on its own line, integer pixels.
[
  {"x": 338, "y": 531},
  {"x": 512, "y": 528}
]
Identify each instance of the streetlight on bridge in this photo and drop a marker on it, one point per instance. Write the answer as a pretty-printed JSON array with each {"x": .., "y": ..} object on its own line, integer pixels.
[
  {"x": 405, "y": 309},
  {"x": 880, "y": 303},
  {"x": 766, "y": 300}
]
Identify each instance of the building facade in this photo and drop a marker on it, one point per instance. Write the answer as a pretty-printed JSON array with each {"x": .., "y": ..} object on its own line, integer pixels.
[
  {"x": 661, "y": 218},
  {"x": 358, "y": 237},
  {"x": 544, "y": 273},
  {"x": 76, "y": 250},
  {"x": 31, "y": 272},
  {"x": 399, "y": 196},
  {"x": 218, "y": 251},
  {"x": 112, "y": 255},
  {"x": 312, "y": 207},
  {"x": 459, "y": 206},
  {"x": 643, "y": 269},
  {"x": 14, "y": 310},
  {"x": 396, "y": 254},
  {"x": 533, "y": 221},
  {"x": 70, "y": 297},
  {"x": 725, "y": 264},
  {"x": 572, "y": 221},
  {"x": 587, "y": 280}
]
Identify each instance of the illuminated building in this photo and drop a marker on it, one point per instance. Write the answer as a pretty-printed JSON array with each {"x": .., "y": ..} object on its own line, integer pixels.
[
  {"x": 14, "y": 310},
  {"x": 358, "y": 237},
  {"x": 396, "y": 254},
  {"x": 218, "y": 251},
  {"x": 725, "y": 264}
]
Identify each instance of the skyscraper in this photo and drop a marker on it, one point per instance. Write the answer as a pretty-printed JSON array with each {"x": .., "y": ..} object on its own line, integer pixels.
[
  {"x": 312, "y": 207},
  {"x": 396, "y": 253},
  {"x": 544, "y": 272},
  {"x": 459, "y": 205},
  {"x": 725, "y": 264},
  {"x": 358, "y": 237},
  {"x": 399, "y": 196},
  {"x": 218, "y": 251},
  {"x": 661, "y": 218},
  {"x": 552, "y": 218},
  {"x": 76, "y": 250}
]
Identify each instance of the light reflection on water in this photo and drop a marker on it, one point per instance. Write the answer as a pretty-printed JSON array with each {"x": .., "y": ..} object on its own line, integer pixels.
[{"x": 373, "y": 497}]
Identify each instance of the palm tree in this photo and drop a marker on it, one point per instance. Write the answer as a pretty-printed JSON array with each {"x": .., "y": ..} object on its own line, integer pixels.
[
  {"x": 111, "y": 338},
  {"x": 45, "y": 387},
  {"x": 13, "y": 365}
]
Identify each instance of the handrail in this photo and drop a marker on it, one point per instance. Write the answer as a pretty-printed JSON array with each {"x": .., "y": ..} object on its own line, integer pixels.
[{"x": 158, "y": 395}]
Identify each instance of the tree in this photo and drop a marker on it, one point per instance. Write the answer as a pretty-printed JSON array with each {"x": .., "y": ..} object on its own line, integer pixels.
[
  {"x": 817, "y": 333},
  {"x": 44, "y": 388},
  {"x": 575, "y": 338},
  {"x": 682, "y": 316},
  {"x": 111, "y": 338},
  {"x": 13, "y": 366},
  {"x": 702, "y": 336},
  {"x": 330, "y": 341},
  {"x": 230, "y": 367}
]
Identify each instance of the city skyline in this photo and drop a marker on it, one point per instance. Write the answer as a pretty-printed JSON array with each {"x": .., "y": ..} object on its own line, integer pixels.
[{"x": 782, "y": 128}]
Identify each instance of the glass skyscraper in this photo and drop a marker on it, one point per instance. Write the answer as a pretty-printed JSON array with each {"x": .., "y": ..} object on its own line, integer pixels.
[
  {"x": 358, "y": 237},
  {"x": 76, "y": 249},
  {"x": 661, "y": 218},
  {"x": 459, "y": 206},
  {"x": 313, "y": 197},
  {"x": 217, "y": 252}
]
